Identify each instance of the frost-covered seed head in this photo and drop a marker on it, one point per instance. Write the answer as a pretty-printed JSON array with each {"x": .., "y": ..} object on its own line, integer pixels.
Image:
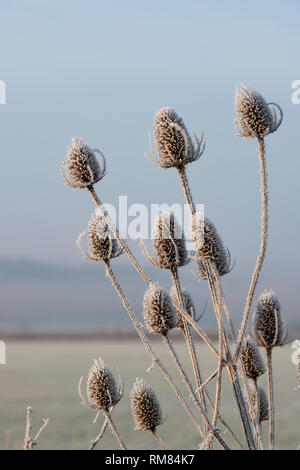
[
  {"x": 169, "y": 242},
  {"x": 209, "y": 245},
  {"x": 159, "y": 313},
  {"x": 173, "y": 142},
  {"x": 145, "y": 407},
  {"x": 102, "y": 390},
  {"x": 103, "y": 246},
  {"x": 263, "y": 403},
  {"x": 252, "y": 360},
  {"x": 268, "y": 326},
  {"x": 81, "y": 168},
  {"x": 256, "y": 118},
  {"x": 187, "y": 303}
]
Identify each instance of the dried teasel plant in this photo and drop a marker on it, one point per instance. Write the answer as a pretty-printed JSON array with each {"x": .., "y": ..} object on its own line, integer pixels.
[
  {"x": 169, "y": 248},
  {"x": 103, "y": 394},
  {"x": 174, "y": 145},
  {"x": 252, "y": 360},
  {"x": 159, "y": 314},
  {"x": 81, "y": 168},
  {"x": 188, "y": 305},
  {"x": 269, "y": 331},
  {"x": 102, "y": 244},
  {"x": 146, "y": 410},
  {"x": 260, "y": 402},
  {"x": 209, "y": 246}
]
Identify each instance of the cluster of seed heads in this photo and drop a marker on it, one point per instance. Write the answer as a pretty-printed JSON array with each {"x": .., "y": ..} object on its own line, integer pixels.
[
  {"x": 168, "y": 243},
  {"x": 102, "y": 390},
  {"x": 268, "y": 326},
  {"x": 173, "y": 143},
  {"x": 145, "y": 407},
  {"x": 209, "y": 246},
  {"x": 252, "y": 360},
  {"x": 256, "y": 118},
  {"x": 159, "y": 313},
  {"x": 81, "y": 168},
  {"x": 188, "y": 305}
]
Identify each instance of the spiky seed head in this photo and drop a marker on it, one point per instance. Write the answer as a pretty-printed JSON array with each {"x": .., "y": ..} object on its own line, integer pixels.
[
  {"x": 159, "y": 313},
  {"x": 268, "y": 326},
  {"x": 81, "y": 168},
  {"x": 187, "y": 303},
  {"x": 145, "y": 407},
  {"x": 255, "y": 116},
  {"x": 209, "y": 245},
  {"x": 169, "y": 242},
  {"x": 173, "y": 142},
  {"x": 252, "y": 360},
  {"x": 103, "y": 246},
  {"x": 102, "y": 390},
  {"x": 263, "y": 403}
]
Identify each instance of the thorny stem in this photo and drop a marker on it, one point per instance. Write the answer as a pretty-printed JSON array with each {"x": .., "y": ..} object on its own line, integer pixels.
[
  {"x": 219, "y": 314},
  {"x": 233, "y": 375},
  {"x": 95, "y": 441},
  {"x": 189, "y": 341},
  {"x": 117, "y": 234},
  {"x": 115, "y": 430},
  {"x": 186, "y": 189},
  {"x": 162, "y": 445},
  {"x": 263, "y": 246},
  {"x": 29, "y": 442},
  {"x": 149, "y": 349},
  {"x": 271, "y": 397}
]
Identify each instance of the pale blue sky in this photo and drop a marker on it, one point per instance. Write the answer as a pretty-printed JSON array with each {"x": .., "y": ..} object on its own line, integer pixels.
[{"x": 100, "y": 70}]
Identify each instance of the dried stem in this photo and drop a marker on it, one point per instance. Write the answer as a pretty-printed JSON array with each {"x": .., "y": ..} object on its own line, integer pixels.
[
  {"x": 115, "y": 430},
  {"x": 263, "y": 246},
  {"x": 149, "y": 349},
  {"x": 162, "y": 445},
  {"x": 186, "y": 189},
  {"x": 189, "y": 342},
  {"x": 95, "y": 441},
  {"x": 271, "y": 397},
  {"x": 29, "y": 442}
]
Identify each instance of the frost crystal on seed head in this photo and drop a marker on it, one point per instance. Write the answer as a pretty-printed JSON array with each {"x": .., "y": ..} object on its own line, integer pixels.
[
  {"x": 81, "y": 168},
  {"x": 256, "y": 118},
  {"x": 145, "y": 407},
  {"x": 159, "y": 313}
]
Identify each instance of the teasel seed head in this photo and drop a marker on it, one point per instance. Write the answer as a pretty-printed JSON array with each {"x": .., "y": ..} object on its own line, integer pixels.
[
  {"x": 102, "y": 390},
  {"x": 188, "y": 305},
  {"x": 209, "y": 246},
  {"x": 268, "y": 327},
  {"x": 168, "y": 243},
  {"x": 256, "y": 118},
  {"x": 174, "y": 145},
  {"x": 102, "y": 245},
  {"x": 252, "y": 360},
  {"x": 81, "y": 168},
  {"x": 145, "y": 407},
  {"x": 159, "y": 313},
  {"x": 263, "y": 403}
]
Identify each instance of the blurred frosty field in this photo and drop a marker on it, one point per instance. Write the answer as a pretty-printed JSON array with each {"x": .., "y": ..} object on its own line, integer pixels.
[{"x": 45, "y": 376}]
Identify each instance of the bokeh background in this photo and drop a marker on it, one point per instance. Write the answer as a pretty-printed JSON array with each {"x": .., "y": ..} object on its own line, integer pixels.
[{"x": 100, "y": 70}]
